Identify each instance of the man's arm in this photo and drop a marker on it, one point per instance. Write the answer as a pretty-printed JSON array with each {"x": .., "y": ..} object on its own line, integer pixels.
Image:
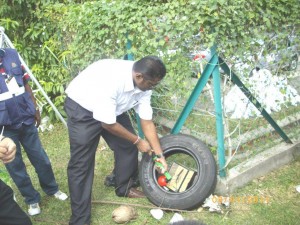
[
  {"x": 150, "y": 133},
  {"x": 120, "y": 131},
  {"x": 149, "y": 145},
  {"x": 37, "y": 112}
]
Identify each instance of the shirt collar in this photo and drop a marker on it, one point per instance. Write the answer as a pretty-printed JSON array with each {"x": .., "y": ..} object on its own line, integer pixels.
[{"x": 129, "y": 85}]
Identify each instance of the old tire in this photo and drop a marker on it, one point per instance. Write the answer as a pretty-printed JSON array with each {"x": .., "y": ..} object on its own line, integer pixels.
[{"x": 189, "y": 152}]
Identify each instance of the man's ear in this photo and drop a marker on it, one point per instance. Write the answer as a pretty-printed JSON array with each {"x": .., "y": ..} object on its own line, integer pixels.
[{"x": 139, "y": 76}]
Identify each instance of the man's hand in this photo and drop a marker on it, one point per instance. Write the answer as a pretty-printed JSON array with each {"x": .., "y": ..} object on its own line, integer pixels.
[
  {"x": 7, "y": 150},
  {"x": 162, "y": 160},
  {"x": 144, "y": 146},
  {"x": 37, "y": 118}
]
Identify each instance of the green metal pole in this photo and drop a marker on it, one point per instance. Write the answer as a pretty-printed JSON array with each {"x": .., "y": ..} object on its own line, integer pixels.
[
  {"x": 219, "y": 120},
  {"x": 195, "y": 94},
  {"x": 234, "y": 78},
  {"x": 128, "y": 47},
  {"x": 212, "y": 68},
  {"x": 130, "y": 57}
]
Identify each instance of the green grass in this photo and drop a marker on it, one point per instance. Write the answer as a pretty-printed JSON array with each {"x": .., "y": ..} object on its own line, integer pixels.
[{"x": 278, "y": 186}]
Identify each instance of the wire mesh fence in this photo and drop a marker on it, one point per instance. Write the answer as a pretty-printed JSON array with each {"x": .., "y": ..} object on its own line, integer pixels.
[{"x": 246, "y": 131}]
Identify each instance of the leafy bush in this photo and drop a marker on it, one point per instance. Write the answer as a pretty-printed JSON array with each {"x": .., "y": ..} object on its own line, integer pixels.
[{"x": 59, "y": 38}]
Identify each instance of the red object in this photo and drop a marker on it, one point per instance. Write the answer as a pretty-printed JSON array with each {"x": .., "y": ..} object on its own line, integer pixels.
[
  {"x": 166, "y": 39},
  {"x": 198, "y": 56},
  {"x": 162, "y": 181}
]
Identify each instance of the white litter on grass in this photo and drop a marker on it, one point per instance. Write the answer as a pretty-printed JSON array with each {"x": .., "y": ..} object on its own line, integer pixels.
[
  {"x": 176, "y": 217},
  {"x": 214, "y": 203},
  {"x": 45, "y": 124},
  {"x": 157, "y": 213},
  {"x": 298, "y": 188},
  {"x": 211, "y": 204},
  {"x": 272, "y": 92}
]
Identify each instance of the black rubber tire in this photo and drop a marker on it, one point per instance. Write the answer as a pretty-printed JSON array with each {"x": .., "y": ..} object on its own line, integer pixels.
[{"x": 203, "y": 184}]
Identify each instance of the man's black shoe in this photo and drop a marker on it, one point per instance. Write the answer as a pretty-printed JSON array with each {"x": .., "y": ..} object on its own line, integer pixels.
[
  {"x": 135, "y": 193},
  {"x": 135, "y": 182},
  {"x": 110, "y": 181}
]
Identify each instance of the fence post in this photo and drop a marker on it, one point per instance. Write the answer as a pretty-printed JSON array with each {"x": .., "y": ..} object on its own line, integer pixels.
[
  {"x": 130, "y": 57},
  {"x": 212, "y": 68}
]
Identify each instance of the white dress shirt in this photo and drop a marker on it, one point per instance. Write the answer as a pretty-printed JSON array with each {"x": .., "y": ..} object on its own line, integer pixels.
[{"x": 106, "y": 89}]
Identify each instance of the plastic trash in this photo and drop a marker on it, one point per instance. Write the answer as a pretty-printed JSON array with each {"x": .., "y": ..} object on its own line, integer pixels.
[
  {"x": 176, "y": 217},
  {"x": 45, "y": 124},
  {"x": 157, "y": 213}
]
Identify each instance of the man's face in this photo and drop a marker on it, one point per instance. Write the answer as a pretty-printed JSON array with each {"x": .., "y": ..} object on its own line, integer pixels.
[{"x": 144, "y": 83}]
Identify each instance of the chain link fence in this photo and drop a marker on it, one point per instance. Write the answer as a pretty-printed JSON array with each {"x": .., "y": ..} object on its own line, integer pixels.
[{"x": 246, "y": 131}]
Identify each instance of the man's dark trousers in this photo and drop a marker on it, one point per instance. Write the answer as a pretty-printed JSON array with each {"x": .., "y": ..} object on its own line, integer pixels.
[{"x": 84, "y": 135}]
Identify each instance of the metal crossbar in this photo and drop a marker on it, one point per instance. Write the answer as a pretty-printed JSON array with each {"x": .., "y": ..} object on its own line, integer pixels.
[{"x": 212, "y": 69}]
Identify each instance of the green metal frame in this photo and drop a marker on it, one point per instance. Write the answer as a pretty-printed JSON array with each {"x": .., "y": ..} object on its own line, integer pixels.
[
  {"x": 212, "y": 70},
  {"x": 138, "y": 121},
  {"x": 234, "y": 78}
]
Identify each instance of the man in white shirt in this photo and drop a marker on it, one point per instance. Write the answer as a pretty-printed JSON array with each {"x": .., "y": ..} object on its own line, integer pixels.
[{"x": 97, "y": 104}]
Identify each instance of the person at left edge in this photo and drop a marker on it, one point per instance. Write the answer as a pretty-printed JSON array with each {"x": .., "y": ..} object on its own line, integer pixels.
[
  {"x": 10, "y": 212},
  {"x": 20, "y": 116}
]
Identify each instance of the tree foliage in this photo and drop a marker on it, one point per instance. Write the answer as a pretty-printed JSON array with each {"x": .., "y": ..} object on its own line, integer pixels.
[{"x": 60, "y": 38}]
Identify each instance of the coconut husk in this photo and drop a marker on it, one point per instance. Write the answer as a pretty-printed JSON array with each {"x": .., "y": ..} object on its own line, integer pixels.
[{"x": 124, "y": 214}]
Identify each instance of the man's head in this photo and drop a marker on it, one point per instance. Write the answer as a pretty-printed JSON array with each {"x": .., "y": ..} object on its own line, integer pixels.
[{"x": 148, "y": 72}]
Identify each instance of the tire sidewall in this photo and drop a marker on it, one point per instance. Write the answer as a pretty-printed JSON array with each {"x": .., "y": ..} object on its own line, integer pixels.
[{"x": 203, "y": 186}]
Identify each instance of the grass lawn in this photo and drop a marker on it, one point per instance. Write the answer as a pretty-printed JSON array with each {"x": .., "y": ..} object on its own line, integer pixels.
[{"x": 277, "y": 201}]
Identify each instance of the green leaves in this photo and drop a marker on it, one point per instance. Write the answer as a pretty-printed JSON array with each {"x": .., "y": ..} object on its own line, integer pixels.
[
  {"x": 8, "y": 23},
  {"x": 63, "y": 37}
]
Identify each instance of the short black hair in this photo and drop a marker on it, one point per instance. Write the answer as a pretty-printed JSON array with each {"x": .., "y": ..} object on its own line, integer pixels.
[{"x": 150, "y": 66}]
